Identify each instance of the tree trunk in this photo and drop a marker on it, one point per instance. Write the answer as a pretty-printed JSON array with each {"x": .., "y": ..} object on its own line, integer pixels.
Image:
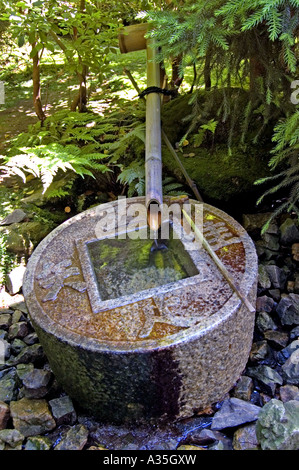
[
  {"x": 256, "y": 70},
  {"x": 80, "y": 100},
  {"x": 207, "y": 70},
  {"x": 36, "y": 87}
]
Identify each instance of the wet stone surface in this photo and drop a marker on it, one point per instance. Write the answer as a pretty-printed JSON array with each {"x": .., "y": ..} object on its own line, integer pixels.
[
  {"x": 260, "y": 412},
  {"x": 111, "y": 311}
]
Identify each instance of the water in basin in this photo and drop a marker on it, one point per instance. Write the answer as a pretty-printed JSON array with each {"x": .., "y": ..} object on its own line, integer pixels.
[{"x": 126, "y": 266}]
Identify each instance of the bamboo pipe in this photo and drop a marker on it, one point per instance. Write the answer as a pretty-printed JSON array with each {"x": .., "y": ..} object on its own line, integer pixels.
[
  {"x": 191, "y": 183},
  {"x": 153, "y": 148},
  {"x": 218, "y": 263}
]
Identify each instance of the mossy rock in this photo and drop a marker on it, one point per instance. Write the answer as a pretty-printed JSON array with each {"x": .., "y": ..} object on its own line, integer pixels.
[
  {"x": 223, "y": 175},
  {"x": 219, "y": 176},
  {"x": 225, "y": 105},
  {"x": 22, "y": 238}
]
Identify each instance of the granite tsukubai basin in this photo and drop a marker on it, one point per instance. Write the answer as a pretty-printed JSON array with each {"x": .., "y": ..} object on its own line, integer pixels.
[{"x": 133, "y": 334}]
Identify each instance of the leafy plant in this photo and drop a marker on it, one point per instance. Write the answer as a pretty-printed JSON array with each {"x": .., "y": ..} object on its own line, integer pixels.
[
  {"x": 9, "y": 200},
  {"x": 45, "y": 161},
  {"x": 199, "y": 137},
  {"x": 171, "y": 187},
  {"x": 133, "y": 177},
  {"x": 82, "y": 144}
]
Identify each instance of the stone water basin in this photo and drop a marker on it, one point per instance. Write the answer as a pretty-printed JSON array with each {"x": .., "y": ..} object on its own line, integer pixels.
[{"x": 133, "y": 334}]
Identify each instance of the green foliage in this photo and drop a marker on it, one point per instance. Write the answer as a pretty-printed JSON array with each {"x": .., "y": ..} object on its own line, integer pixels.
[
  {"x": 67, "y": 142},
  {"x": 199, "y": 137},
  {"x": 280, "y": 17},
  {"x": 5, "y": 258},
  {"x": 44, "y": 162},
  {"x": 192, "y": 28},
  {"x": 171, "y": 187},
  {"x": 83, "y": 144},
  {"x": 9, "y": 200},
  {"x": 134, "y": 177},
  {"x": 84, "y": 33},
  {"x": 224, "y": 38},
  {"x": 285, "y": 159}
]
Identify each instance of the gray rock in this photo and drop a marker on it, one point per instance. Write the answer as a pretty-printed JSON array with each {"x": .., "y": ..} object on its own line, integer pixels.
[
  {"x": 259, "y": 351},
  {"x": 277, "y": 427},
  {"x": 5, "y": 321},
  {"x": 289, "y": 392},
  {"x": 294, "y": 333},
  {"x": 17, "y": 346},
  {"x": 245, "y": 438},
  {"x": 275, "y": 294},
  {"x": 14, "y": 218},
  {"x": 18, "y": 316},
  {"x": 263, "y": 277},
  {"x": 290, "y": 369},
  {"x": 265, "y": 304},
  {"x": 23, "y": 369},
  {"x": 277, "y": 276},
  {"x": 201, "y": 437},
  {"x": 20, "y": 305},
  {"x": 265, "y": 322},
  {"x": 32, "y": 416},
  {"x": 36, "y": 383},
  {"x": 5, "y": 351},
  {"x": 243, "y": 388},
  {"x": 9, "y": 385},
  {"x": 31, "y": 338},
  {"x": 271, "y": 241},
  {"x": 267, "y": 377},
  {"x": 277, "y": 339},
  {"x": 289, "y": 232},
  {"x": 4, "y": 414},
  {"x": 222, "y": 442},
  {"x": 32, "y": 354},
  {"x": 63, "y": 410},
  {"x": 234, "y": 412},
  {"x": 11, "y": 439},
  {"x": 14, "y": 280},
  {"x": 286, "y": 352},
  {"x": 18, "y": 330},
  {"x": 75, "y": 438},
  {"x": 288, "y": 310},
  {"x": 38, "y": 443}
]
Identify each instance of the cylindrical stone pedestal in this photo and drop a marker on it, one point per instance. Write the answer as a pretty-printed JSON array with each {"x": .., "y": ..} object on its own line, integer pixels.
[{"x": 160, "y": 352}]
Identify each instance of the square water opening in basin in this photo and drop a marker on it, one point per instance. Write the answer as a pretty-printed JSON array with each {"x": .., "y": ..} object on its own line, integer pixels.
[{"x": 127, "y": 266}]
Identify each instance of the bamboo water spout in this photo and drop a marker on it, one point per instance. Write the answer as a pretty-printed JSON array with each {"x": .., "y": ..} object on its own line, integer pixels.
[
  {"x": 153, "y": 152},
  {"x": 132, "y": 39}
]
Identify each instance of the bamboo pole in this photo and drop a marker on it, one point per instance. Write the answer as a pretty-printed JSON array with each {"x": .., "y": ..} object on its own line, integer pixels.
[
  {"x": 189, "y": 180},
  {"x": 218, "y": 263},
  {"x": 153, "y": 151}
]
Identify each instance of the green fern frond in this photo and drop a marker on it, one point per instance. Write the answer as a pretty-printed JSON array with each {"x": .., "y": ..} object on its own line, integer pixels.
[{"x": 45, "y": 161}]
